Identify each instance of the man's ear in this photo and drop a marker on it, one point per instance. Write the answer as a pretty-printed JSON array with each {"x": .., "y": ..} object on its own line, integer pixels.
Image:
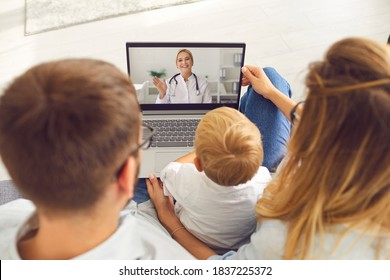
[
  {"x": 198, "y": 164},
  {"x": 126, "y": 178}
]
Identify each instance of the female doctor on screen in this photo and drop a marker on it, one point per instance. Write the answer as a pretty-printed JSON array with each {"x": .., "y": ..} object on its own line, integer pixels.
[{"x": 184, "y": 87}]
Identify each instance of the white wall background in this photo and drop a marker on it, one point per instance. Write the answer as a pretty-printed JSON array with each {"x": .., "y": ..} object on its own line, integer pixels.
[{"x": 207, "y": 62}]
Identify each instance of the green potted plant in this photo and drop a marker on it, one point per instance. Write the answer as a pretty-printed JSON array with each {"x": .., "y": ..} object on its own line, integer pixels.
[{"x": 158, "y": 74}]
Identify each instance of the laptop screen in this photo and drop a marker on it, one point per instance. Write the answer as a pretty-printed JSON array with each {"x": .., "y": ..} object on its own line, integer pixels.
[{"x": 172, "y": 76}]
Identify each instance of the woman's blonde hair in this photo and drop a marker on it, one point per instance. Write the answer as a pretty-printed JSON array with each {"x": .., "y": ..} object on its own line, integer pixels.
[
  {"x": 229, "y": 146},
  {"x": 337, "y": 170}
]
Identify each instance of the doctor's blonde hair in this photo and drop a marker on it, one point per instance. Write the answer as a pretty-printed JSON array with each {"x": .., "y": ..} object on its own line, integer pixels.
[{"x": 228, "y": 146}]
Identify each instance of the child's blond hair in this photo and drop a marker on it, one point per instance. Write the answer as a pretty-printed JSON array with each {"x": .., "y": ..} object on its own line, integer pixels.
[{"x": 228, "y": 146}]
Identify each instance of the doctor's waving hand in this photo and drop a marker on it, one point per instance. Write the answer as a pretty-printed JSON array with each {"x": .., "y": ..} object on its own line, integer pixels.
[{"x": 184, "y": 87}]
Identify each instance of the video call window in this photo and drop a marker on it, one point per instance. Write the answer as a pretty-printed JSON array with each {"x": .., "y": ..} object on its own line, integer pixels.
[{"x": 192, "y": 72}]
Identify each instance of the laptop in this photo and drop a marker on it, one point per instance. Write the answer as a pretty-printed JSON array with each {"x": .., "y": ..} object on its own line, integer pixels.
[{"x": 216, "y": 64}]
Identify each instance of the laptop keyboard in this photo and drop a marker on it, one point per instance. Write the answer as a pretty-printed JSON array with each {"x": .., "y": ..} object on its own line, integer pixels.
[{"x": 173, "y": 133}]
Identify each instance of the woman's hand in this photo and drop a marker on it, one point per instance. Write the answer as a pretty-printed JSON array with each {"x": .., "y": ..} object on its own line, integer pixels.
[
  {"x": 161, "y": 86},
  {"x": 262, "y": 85},
  {"x": 166, "y": 214},
  {"x": 256, "y": 77},
  {"x": 164, "y": 204}
]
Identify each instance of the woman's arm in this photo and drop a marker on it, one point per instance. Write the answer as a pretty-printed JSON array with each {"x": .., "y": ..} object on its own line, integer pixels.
[
  {"x": 166, "y": 214},
  {"x": 256, "y": 77}
]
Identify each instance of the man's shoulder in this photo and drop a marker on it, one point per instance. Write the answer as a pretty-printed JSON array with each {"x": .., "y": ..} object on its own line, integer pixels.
[
  {"x": 13, "y": 213},
  {"x": 159, "y": 244},
  {"x": 7, "y": 243},
  {"x": 148, "y": 232},
  {"x": 12, "y": 216}
]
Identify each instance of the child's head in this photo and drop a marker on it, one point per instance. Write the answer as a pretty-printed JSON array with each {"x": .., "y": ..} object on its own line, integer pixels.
[{"x": 228, "y": 146}]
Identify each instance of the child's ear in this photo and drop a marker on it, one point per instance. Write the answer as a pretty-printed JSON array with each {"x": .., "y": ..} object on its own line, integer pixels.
[{"x": 198, "y": 164}]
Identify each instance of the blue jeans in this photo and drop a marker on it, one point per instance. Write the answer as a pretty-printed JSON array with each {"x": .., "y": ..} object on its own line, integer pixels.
[
  {"x": 141, "y": 192},
  {"x": 273, "y": 125}
]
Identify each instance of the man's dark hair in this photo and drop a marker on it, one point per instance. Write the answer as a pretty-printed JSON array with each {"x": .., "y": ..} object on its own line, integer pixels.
[{"x": 65, "y": 129}]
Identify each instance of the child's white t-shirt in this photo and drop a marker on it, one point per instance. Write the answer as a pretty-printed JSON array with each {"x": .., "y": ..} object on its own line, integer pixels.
[{"x": 222, "y": 217}]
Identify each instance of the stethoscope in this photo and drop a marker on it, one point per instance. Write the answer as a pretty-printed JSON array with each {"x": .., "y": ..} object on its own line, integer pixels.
[{"x": 172, "y": 93}]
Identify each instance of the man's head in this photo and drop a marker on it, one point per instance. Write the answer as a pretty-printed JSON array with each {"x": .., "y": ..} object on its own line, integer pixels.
[
  {"x": 228, "y": 147},
  {"x": 66, "y": 127}
]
